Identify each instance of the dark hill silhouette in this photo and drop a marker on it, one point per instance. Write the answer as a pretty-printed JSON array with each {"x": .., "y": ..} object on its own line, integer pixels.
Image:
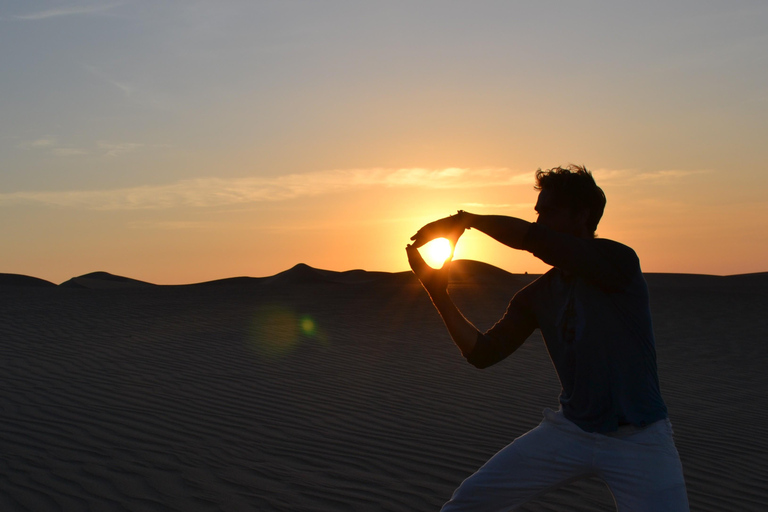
[
  {"x": 668, "y": 280},
  {"x": 101, "y": 280},
  {"x": 304, "y": 274},
  {"x": 20, "y": 280},
  {"x": 471, "y": 271},
  {"x": 463, "y": 272},
  {"x": 229, "y": 281}
]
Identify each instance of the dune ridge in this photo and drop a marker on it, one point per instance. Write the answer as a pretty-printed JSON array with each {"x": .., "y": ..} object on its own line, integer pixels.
[
  {"x": 323, "y": 391},
  {"x": 470, "y": 270}
]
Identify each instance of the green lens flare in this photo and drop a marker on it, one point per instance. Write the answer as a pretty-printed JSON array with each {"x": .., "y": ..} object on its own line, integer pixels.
[
  {"x": 308, "y": 326},
  {"x": 277, "y": 330}
]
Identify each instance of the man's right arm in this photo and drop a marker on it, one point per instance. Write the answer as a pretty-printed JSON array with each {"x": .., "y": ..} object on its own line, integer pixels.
[
  {"x": 435, "y": 282},
  {"x": 479, "y": 349}
]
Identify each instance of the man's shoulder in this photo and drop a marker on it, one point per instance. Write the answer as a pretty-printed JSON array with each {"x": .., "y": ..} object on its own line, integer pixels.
[
  {"x": 612, "y": 243},
  {"x": 618, "y": 250}
]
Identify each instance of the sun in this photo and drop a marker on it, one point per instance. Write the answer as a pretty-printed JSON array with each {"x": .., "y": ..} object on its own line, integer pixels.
[{"x": 436, "y": 252}]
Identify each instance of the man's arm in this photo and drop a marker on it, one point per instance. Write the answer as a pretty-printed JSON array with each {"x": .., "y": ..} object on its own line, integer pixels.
[
  {"x": 609, "y": 265},
  {"x": 435, "y": 282},
  {"x": 510, "y": 231},
  {"x": 480, "y": 349}
]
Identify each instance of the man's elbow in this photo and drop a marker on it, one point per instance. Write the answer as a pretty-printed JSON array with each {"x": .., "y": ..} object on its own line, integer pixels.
[{"x": 483, "y": 354}]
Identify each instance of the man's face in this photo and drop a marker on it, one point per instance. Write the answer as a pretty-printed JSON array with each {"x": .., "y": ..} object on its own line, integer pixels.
[{"x": 557, "y": 217}]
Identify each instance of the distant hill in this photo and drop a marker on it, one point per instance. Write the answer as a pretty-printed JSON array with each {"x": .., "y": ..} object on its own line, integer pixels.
[
  {"x": 229, "y": 281},
  {"x": 104, "y": 280},
  {"x": 19, "y": 280},
  {"x": 304, "y": 274},
  {"x": 462, "y": 272},
  {"x": 471, "y": 271},
  {"x": 755, "y": 280}
]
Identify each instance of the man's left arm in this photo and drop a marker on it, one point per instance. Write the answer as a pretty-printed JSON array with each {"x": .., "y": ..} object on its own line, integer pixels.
[{"x": 608, "y": 264}]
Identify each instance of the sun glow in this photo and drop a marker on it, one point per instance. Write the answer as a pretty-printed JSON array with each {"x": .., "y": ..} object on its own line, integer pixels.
[{"x": 436, "y": 252}]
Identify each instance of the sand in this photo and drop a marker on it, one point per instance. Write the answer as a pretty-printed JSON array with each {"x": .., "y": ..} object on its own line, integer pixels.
[{"x": 321, "y": 391}]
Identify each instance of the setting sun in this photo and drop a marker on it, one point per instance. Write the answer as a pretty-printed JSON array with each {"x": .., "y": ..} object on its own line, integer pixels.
[{"x": 436, "y": 252}]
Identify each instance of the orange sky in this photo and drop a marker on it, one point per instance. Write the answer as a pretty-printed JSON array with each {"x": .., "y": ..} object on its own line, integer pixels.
[{"x": 185, "y": 142}]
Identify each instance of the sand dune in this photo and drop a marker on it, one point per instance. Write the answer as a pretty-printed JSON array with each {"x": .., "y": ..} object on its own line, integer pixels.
[
  {"x": 102, "y": 280},
  {"x": 23, "y": 281},
  {"x": 318, "y": 390}
]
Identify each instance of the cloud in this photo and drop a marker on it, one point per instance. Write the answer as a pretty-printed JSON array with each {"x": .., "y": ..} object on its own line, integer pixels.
[
  {"x": 119, "y": 148},
  {"x": 51, "y": 145},
  {"x": 40, "y": 143},
  {"x": 621, "y": 177},
  {"x": 668, "y": 175},
  {"x": 175, "y": 225},
  {"x": 65, "y": 11},
  {"x": 210, "y": 192},
  {"x": 103, "y": 148},
  {"x": 125, "y": 87},
  {"x": 515, "y": 206},
  {"x": 68, "y": 151}
]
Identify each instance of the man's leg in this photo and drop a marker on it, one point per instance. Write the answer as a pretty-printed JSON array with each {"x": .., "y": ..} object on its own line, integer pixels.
[
  {"x": 552, "y": 454},
  {"x": 643, "y": 470}
]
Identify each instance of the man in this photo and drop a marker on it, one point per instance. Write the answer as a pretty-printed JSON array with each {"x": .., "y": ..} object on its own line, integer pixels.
[{"x": 593, "y": 311}]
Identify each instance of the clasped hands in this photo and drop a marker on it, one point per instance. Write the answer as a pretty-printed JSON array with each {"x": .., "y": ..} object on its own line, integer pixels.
[{"x": 451, "y": 228}]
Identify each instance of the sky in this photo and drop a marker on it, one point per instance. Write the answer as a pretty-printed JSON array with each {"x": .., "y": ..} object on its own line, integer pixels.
[{"x": 185, "y": 141}]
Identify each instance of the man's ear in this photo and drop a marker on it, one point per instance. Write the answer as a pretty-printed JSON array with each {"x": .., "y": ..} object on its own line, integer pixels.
[{"x": 582, "y": 218}]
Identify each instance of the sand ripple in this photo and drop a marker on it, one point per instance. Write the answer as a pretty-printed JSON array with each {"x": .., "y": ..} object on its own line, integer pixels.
[{"x": 351, "y": 398}]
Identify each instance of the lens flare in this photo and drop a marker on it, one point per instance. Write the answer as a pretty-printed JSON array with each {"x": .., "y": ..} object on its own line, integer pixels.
[
  {"x": 308, "y": 326},
  {"x": 277, "y": 330}
]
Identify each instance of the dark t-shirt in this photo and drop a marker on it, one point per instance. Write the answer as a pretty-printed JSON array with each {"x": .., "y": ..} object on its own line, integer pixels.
[{"x": 593, "y": 312}]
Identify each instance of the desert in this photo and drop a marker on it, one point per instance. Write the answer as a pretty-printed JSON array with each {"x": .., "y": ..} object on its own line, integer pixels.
[{"x": 314, "y": 390}]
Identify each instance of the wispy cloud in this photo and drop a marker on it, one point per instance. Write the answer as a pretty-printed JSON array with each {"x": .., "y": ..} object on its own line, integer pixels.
[
  {"x": 51, "y": 145},
  {"x": 119, "y": 148},
  {"x": 174, "y": 225},
  {"x": 207, "y": 192},
  {"x": 619, "y": 177},
  {"x": 101, "y": 148},
  {"x": 668, "y": 175},
  {"x": 68, "y": 151},
  {"x": 494, "y": 206},
  {"x": 72, "y": 10},
  {"x": 42, "y": 143},
  {"x": 213, "y": 192},
  {"x": 125, "y": 87}
]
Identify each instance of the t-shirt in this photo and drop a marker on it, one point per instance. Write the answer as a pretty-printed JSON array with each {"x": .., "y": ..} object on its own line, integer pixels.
[{"x": 594, "y": 314}]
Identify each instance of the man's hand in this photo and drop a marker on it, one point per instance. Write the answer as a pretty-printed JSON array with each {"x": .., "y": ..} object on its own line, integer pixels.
[
  {"x": 450, "y": 227},
  {"x": 435, "y": 281}
]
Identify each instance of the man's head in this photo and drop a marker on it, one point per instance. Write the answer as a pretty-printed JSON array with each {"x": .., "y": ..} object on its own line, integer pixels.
[{"x": 569, "y": 200}]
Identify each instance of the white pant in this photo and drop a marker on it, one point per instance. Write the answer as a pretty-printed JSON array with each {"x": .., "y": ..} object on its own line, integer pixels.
[{"x": 640, "y": 466}]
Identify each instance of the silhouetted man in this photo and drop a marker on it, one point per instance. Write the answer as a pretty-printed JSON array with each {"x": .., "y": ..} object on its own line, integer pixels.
[{"x": 593, "y": 311}]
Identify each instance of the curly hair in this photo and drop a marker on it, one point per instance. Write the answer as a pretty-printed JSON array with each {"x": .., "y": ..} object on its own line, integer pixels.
[{"x": 574, "y": 187}]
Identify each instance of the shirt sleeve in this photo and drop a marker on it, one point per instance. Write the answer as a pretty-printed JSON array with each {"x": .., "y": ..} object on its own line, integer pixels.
[
  {"x": 608, "y": 264},
  {"x": 507, "y": 335}
]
